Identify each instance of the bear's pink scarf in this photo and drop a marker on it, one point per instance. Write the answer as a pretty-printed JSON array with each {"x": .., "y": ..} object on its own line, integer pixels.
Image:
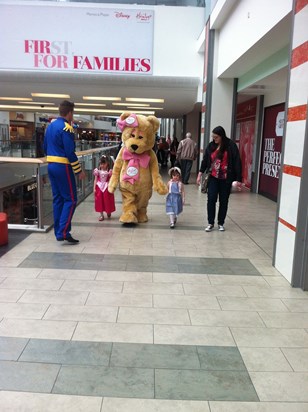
[{"x": 134, "y": 162}]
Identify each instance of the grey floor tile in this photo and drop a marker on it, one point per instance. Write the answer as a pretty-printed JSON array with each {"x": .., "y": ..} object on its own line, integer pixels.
[
  {"x": 298, "y": 358},
  {"x": 31, "y": 377},
  {"x": 23, "y": 310},
  {"x": 34, "y": 284},
  {"x": 281, "y": 386},
  {"x": 10, "y": 295},
  {"x": 104, "y": 381},
  {"x": 214, "y": 358},
  {"x": 270, "y": 337},
  {"x": 265, "y": 360},
  {"x": 204, "y": 385},
  {"x": 119, "y": 299},
  {"x": 82, "y": 313},
  {"x": 154, "y": 405},
  {"x": 66, "y": 352},
  {"x": 41, "y": 402},
  {"x": 154, "y": 356},
  {"x": 11, "y": 348},
  {"x": 41, "y": 329},
  {"x": 258, "y": 407},
  {"x": 153, "y": 316}
]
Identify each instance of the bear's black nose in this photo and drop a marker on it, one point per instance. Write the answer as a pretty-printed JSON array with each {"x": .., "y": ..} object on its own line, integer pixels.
[{"x": 134, "y": 147}]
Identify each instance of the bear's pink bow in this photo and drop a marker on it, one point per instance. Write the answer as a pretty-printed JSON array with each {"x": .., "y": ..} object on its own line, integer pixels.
[
  {"x": 130, "y": 121},
  {"x": 135, "y": 161}
]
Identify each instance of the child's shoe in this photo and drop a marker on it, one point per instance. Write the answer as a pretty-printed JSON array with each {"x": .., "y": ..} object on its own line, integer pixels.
[
  {"x": 101, "y": 218},
  {"x": 109, "y": 215},
  {"x": 171, "y": 225}
]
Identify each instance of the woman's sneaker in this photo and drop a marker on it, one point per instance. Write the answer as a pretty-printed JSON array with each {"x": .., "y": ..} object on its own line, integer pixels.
[
  {"x": 209, "y": 228},
  {"x": 221, "y": 228}
]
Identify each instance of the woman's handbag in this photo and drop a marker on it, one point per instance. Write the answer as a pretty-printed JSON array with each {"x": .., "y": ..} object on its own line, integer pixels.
[{"x": 205, "y": 181}]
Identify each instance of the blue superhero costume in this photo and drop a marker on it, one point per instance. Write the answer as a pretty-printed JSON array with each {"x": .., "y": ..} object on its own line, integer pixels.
[{"x": 63, "y": 164}]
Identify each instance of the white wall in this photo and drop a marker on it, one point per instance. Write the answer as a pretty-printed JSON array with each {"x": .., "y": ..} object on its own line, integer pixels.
[
  {"x": 275, "y": 97},
  {"x": 176, "y": 33},
  {"x": 249, "y": 21}
]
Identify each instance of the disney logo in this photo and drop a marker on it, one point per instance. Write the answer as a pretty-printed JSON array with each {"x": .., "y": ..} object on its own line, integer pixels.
[
  {"x": 143, "y": 16},
  {"x": 120, "y": 15}
]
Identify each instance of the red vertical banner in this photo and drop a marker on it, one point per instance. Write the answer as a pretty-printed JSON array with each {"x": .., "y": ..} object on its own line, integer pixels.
[
  {"x": 274, "y": 120},
  {"x": 245, "y": 136}
]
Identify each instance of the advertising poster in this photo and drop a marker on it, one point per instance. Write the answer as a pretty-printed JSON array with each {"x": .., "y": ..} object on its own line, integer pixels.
[
  {"x": 79, "y": 39},
  {"x": 245, "y": 136},
  {"x": 274, "y": 120}
]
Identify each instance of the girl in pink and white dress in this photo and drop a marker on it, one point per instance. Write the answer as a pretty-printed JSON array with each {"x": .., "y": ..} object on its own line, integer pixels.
[{"x": 103, "y": 200}]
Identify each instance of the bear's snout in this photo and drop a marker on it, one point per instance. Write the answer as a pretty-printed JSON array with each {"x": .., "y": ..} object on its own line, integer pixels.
[{"x": 134, "y": 147}]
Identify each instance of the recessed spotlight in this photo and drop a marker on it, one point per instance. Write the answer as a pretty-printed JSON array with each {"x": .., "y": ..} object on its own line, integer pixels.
[
  {"x": 28, "y": 99},
  {"x": 55, "y": 95},
  {"x": 44, "y": 103},
  {"x": 127, "y": 104},
  {"x": 91, "y": 104},
  {"x": 101, "y": 98},
  {"x": 140, "y": 99}
]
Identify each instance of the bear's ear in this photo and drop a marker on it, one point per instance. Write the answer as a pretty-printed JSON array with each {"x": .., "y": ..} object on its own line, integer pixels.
[
  {"x": 125, "y": 115},
  {"x": 154, "y": 121}
]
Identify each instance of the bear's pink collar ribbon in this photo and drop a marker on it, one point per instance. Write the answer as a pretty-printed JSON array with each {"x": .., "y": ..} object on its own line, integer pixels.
[
  {"x": 135, "y": 161},
  {"x": 130, "y": 121}
]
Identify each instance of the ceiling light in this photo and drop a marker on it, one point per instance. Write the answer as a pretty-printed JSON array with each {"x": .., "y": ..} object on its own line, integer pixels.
[
  {"x": 127, "y": 104},
  {"x": 41, "y": 103},
  {"x": 101, "y": 98},
  {"x": 20, "y": 107},
  {"x": 140, "y": 99},
  {"x": 60, "y": 96},
  {"x": 146, "y": 108},
  {"x": 109, "y": 111},
  {"x": 16, "y": 98},
  {"x": 90, "y": 104},
  {"x": 55, "y": 109}
]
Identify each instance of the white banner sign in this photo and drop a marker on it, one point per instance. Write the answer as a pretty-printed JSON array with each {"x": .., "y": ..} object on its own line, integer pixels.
[{"x": 82, "y": 39}]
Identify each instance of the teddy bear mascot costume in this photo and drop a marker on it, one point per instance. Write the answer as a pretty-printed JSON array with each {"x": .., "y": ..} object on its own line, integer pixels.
[{"x": 136, "y": 168}]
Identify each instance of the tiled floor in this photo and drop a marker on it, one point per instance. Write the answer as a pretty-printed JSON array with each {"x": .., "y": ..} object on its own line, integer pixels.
[{"x": 151, "y": 319}]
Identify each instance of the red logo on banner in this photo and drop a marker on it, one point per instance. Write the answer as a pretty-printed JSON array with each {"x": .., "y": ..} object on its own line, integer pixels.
[
  {"x": 120, "y": 15},
  {"x": 143, "y": 16}
]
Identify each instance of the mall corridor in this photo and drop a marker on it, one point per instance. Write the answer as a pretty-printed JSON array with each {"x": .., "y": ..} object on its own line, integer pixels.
[{"x": 150, "y": 319}]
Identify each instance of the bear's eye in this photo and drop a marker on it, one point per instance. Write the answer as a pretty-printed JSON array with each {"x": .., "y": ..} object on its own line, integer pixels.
[
  {"x": 140, "y": 137},
  {"x": 133, "y": 135}
]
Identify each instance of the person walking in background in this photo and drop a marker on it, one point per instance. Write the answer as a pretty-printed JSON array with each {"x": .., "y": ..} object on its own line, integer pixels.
[
  {"x": 103, "y": 200},
  {"x": 173, "y": 149},
  {"x": 176, "y": 196},
  {"x": 63, "y": 165},
  {"x": 222, "y": 159},
  {"x": 185, "y": 155}
]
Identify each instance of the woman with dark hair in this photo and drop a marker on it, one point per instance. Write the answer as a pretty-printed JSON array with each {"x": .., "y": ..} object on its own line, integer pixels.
[{"x": 222, "y": 160}]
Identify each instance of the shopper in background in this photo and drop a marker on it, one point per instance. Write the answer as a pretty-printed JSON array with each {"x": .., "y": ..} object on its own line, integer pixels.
[
  {"x": 103, "y": 200},
  {"x": 176, "y": 196},
  {"x": 222, "y": 159},
  {"x": 173, "y": 149},
  {"x": 63, "y": 165},
  {"x": 185, "y": 155}
]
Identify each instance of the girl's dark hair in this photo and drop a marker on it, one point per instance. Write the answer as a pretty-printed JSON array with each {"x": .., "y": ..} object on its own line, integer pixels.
[
  {"x": 220, "y": 131},
  {"x": 105, "y": 159}
]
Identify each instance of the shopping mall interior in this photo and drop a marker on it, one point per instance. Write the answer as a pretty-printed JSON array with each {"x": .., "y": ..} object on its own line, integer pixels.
[{"x": 142, "y": 317}]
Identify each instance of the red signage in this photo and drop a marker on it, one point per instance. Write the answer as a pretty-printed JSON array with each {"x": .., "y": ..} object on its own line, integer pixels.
[{"x": 271, "y": 150}]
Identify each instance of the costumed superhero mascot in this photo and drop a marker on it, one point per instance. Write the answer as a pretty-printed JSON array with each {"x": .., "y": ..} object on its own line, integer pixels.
[{"x": 63, "y": 165}]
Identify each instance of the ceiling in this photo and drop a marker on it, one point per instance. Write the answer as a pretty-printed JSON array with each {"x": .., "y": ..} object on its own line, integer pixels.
[{"x": 179, "y": 93}]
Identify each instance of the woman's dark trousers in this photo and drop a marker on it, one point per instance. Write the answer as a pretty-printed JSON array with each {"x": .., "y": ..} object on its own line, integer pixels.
[{"x": 217, "y": 187}]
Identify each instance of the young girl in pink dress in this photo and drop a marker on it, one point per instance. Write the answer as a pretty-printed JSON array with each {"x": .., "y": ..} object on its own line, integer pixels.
[{"x": 103, "y": 200}]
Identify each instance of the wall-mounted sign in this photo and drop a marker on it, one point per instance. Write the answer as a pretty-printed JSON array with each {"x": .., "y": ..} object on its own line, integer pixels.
[
  {"x": 86, "y": 39},
  {"x": 271, "y": 150}
]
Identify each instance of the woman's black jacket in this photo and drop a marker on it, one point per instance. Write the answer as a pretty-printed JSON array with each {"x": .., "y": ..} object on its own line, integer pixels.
[{"x": 234, "y": 170}]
